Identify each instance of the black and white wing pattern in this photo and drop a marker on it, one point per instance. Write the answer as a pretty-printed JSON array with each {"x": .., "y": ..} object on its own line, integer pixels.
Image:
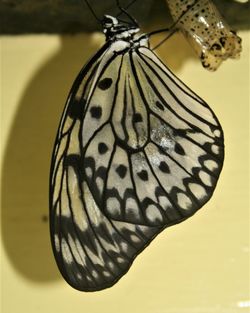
[{"x": 136, "y": 151}]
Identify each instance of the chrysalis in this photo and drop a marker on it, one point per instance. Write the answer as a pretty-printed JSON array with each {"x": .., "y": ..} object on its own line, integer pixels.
[
  {"x": 136, "y": 151},
  {"x": 206, "y": 31}
]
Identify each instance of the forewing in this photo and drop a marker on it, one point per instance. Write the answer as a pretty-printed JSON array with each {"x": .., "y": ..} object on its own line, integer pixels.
[{"x": 92, "y": 249}]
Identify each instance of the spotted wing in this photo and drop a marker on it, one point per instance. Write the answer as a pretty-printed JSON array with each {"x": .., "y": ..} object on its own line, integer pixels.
[
  {"x": 92, "y": 251},
  {"x": 185, "y": 151},
  {"x": 130, "y": 159}
]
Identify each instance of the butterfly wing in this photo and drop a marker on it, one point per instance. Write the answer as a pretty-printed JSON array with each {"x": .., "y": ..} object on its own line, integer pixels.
[
  {"x": 184, "y": 132},
  {"x": 136, "y": 152},
  {"x": 90, "y": 251},
  {"x": 72, "y": 233}
]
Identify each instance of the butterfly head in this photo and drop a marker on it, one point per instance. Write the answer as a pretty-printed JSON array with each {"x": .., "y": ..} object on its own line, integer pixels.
[{"x": 114, "y": 29}]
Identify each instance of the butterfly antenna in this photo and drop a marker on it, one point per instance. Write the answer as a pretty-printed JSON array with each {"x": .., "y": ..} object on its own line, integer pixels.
[
  {"x": 92, "y": 11},
  {"x": 126, "y": 7},
  {"x": 123, "y": 10},
  {"x": 165, "y": 39}
]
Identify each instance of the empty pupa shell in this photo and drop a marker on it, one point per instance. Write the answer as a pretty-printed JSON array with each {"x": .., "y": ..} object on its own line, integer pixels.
[{"x": 206, "y": 31}]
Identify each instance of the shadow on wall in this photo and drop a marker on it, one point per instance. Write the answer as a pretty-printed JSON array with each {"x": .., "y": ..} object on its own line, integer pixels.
[{"x": 25, "y": 227}]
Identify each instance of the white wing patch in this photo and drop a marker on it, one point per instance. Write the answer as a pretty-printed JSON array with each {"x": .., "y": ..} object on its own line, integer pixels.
[{"x": 136, "y": 152}]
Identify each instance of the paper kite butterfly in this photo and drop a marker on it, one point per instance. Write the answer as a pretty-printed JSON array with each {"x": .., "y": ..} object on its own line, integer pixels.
[{"x": 136, "y": 151}]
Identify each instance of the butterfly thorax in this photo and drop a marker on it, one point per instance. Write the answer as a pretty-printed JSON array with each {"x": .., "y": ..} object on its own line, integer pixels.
[{"x": 115, "y": 30}]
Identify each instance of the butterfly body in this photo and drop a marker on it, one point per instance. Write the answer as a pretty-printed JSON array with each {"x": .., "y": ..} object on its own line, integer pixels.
[{"x": 136, "y": 152}]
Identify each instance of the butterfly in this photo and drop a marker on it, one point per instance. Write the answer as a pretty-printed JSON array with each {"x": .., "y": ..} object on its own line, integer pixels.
[{"x": 136, "y": 152}]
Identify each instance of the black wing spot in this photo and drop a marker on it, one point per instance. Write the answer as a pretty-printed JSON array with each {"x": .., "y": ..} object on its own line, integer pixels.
[
  {"x": 102, "y": 148},
  {"x": 75, "y": 109},
  {"x": 178, "y": 149},
  {"x": 164, "y": 167},
  {"x": 137, "y": 118},
  {"x": 75, "y": 161},
  {"x": 96, "y": 112},
  {"x": 105, "y": 83},
  {"x": 159, "y": 105},
  {"x": 121, "y": 170},
  {"x": 143, "y": 175},
  {"x": 180, "y": 132}
]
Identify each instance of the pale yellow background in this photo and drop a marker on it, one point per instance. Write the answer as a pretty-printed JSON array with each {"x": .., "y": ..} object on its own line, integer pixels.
[{"x": 199, "y": 266}]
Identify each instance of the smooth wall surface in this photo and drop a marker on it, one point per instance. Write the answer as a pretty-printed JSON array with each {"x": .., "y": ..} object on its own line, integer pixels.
[{"x": 198, "y": 266}]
